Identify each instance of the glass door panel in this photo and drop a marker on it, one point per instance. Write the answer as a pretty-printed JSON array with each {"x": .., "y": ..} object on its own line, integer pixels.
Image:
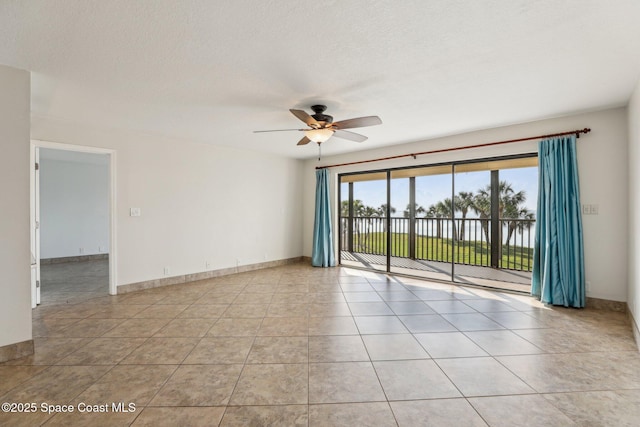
[
  {"x": 363, "y": 226},
  {"x": 423, "y": 226}
]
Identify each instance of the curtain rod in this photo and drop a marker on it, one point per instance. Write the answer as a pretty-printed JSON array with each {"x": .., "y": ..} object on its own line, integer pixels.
[{"x": 466, "y": 147}]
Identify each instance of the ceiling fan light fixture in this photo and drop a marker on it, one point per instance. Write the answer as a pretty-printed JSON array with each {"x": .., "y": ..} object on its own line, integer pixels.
[{"x": 318, "y": 135}]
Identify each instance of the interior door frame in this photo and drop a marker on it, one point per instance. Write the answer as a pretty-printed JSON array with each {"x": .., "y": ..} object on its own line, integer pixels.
[{"x": 35, "y": 203}]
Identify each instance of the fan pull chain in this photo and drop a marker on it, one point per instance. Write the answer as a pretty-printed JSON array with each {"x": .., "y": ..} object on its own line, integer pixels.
[{"x": 319, "y": 150}]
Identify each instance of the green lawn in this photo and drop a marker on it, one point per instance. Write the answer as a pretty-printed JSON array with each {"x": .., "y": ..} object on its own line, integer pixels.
[{"x": 437, "y": 249}]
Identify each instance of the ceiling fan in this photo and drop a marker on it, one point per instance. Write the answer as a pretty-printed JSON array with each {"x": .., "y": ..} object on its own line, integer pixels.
[{"x": 321, "y": 126}]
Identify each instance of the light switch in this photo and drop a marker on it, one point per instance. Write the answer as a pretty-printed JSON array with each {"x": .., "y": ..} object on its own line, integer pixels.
[
  {"x": 586, "y": 209},
  {"x": 594, "y": 209},
  {"x": 135, "y": 212}
]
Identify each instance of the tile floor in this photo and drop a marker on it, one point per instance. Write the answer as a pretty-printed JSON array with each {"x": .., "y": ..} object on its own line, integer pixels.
[{"x": 298, "y": 345}]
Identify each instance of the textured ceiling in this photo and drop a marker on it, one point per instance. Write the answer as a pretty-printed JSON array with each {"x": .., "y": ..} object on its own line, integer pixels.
[{"x": 214, "y": 71}]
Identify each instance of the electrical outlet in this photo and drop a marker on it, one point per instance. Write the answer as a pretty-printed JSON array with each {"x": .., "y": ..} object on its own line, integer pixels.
[
  {"x": 166, "y": 271},
  {"x": 135, "y": 212},
  {"x": 586, "y": 209},
  {"x": 588, "y": 285},
  {"x": 81, "y": 250},
  {"x": 594, "y": 210},
  {"x": 207, "y": 264}
]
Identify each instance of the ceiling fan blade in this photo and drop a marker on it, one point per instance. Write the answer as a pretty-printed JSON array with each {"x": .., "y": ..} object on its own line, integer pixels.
[
  {"x": 310, "y": 121},
  {"x": 277, "y": 130},
  {"x": 351, "y": 136},
  {"x": 304, "y": 141},
  {"x": 358, "y": 122}
]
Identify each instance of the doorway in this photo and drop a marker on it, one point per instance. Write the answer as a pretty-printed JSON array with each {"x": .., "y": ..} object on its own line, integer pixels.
[{"x": 73, "y": 223}]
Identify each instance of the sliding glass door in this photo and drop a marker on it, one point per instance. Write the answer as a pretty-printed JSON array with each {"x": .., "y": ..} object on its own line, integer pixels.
[{"x": 470, "y": 222}]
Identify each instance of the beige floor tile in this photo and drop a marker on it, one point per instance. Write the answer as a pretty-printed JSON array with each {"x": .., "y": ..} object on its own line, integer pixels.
[
  {"x": 178, "y": 328},
  {"x": 137, "y": 328},
  {"x": 260, "y": 289},
  {"x": 46, "y": 327},
  {"x": 548, "y": 373},
  {"x": 288, "y": 310},
  {"x": 290, "y": 298},
  {"x": 375, "y": 414},
  {"x": 362, "y": 297},
  {"x": 103, "y": 351},
  {"x": 272, "y": 384},
  {"x": 516, "y": 320},
  {"x": 12, "y": 376},
  {"x": 244, "y": 311},
  {"x": 370, "y": 309},
  {"x": 56, "y": 384},
  {"x": 220, "y": 350},
  {"x": 329, "y": 309},
  {"x": 90, "y": 419},
  {"x": 343, "y": 382},
  {"x": 135, "y": 384},
  {"x": 216, "y": 298},
  {"x": 203, "y": 311},
  {"x": 184, "y": 417},
  {"x": 482, "y": 376},
  {"x": 199, "y": 385},
  {"x": 450, "y": 306},
  {"x": 161, "y": 311},
  {"x": 253, "y": 298},
  {"x": 619, "y": 408},
  {"x": 330, "y": 295},
  {"x": 281, "y": 415},
  {"x": 292, "y": 287},
  {"x": 235, "y": 328},
  {"x": 436, "y": 413},
  {"x": 398, "y": 296},
  {"x": 380, "y": 325},
  {"x": 514, "y": 411},
  {"x": 161, "y": 351},
  {"x": 332, "y": 326},
  {"x": 394, "y": 347},
  {"x": 284, "y": 326},
  {"x": 409, "y": 307},
  {"x": 427, "y": 323},
  {"x": 488, "y": 305},
  {"x": 502, "y": 343},
  {"x": 90, "y": 328},
  {"x": 471, "y": 322},
  {"x": 119, "y": 311},
  {"x": 441, "y": 345},
  {"x": 337, "y": 348},
  {"x": 414, "y": 379},
  {"x": 279, "y": 350},
  {"x": 24, "y": 419},
  {"x": 48, "y": 351}
]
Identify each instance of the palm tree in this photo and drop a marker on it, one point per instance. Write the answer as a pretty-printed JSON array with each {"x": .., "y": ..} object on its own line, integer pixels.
[
  {"x": 419, "y": 210},
  {"x": 444, "y": 208},
  {"x": 463, "y": 201},
  {"x": 382, "y": 210},
  {"x": 509, "y": 202}
]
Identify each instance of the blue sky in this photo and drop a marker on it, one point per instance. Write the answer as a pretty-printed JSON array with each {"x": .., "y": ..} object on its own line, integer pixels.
[{"x": 433, "y": 188}]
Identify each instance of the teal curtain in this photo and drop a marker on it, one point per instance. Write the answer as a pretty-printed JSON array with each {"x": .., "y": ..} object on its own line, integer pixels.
[
  {"x": 558, "y": 264},
  {"x": 322, "y": 254}
]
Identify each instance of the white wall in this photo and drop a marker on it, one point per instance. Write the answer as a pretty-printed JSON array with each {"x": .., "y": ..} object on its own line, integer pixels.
[
  {"x": 15, "y": 285},
  {"x": 200, "y": 203},
  {"x": 74, "y": 203},
  {"x": 602, "y": 162},
  {"x": 633, "y": 300}
]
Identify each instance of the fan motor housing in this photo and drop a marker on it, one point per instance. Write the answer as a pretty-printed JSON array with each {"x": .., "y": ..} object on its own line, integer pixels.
[{"x": 318, "y": 110}]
